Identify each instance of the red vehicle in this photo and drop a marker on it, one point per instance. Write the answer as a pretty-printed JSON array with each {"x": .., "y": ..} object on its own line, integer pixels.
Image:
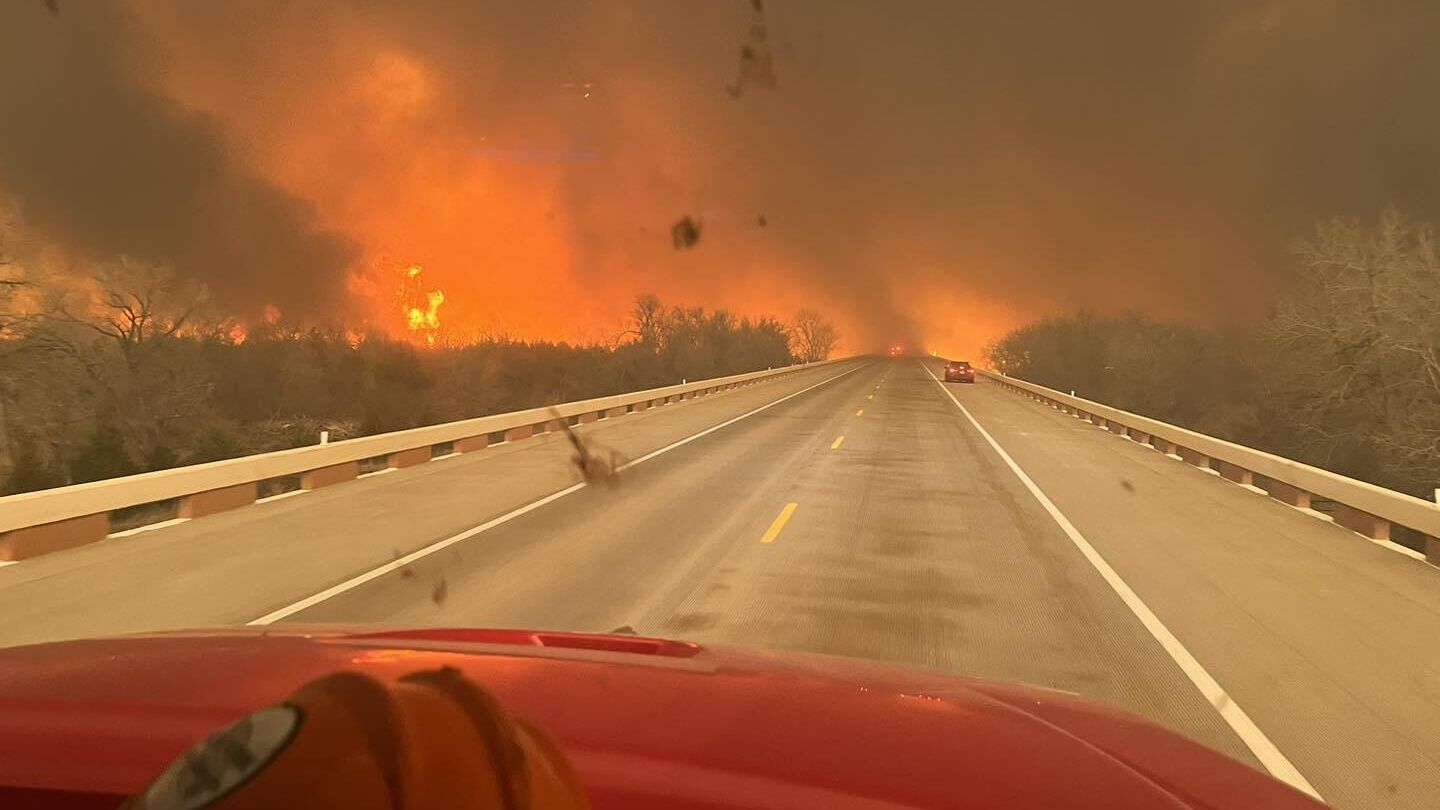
[
  {"x": 959, "y": 371},
  {"x": 647, "y": 723}
]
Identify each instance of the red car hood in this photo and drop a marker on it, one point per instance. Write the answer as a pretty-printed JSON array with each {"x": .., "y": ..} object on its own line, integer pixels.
[{"x": 648, "y": 723}]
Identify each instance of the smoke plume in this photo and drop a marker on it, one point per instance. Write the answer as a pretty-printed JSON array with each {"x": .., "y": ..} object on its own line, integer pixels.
[
  {"x": 928, "y": 172},
  {"x": 101, "y": 161}
]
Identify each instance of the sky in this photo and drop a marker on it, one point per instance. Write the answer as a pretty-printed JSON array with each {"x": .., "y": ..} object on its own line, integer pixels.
[{"x": 924, "y": 172}]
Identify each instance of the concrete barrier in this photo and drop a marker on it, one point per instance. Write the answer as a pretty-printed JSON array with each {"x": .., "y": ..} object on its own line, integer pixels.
[
  {"x": 333, "y": 474},
  {"x": 217, "y": 500},
  {"x": 409, "y": 458},
  {"x": 32, "y": 541},
  {"x": 470, "y": 444},
  {"x": 1365, "y": 508},
  {"x": 34, "y": 523}
]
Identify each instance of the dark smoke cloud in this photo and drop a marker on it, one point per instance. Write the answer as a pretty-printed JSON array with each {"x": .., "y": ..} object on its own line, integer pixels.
[
  {"x": 104, "y": 164},
  {"x": 1036, "y": 155},
  {"x": 1044, "y": 155}
]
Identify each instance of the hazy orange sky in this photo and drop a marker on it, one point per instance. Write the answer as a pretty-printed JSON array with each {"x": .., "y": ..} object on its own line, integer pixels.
[{"x": 928, "y": 172}]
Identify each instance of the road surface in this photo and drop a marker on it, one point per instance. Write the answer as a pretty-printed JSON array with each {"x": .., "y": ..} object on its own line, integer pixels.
[{"x": 854, "y": 510}]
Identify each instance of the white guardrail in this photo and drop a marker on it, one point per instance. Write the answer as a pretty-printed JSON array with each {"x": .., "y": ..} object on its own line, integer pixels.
[
  {"x": 1362, "y": 507},
  {"x": 35, "y": 523}
]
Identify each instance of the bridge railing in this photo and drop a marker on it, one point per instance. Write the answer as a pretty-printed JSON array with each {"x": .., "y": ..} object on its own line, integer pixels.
[
  {"x": 36, "y": 523},
  {"x": 1365, "y": 508}
]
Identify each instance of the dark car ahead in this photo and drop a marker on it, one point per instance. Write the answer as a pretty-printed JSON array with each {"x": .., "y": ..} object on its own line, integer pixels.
[{"x": 959, "y": 371}]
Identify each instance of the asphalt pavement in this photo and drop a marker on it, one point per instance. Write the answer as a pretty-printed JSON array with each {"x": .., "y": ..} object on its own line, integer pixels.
[{"x": 853, "y": 510}]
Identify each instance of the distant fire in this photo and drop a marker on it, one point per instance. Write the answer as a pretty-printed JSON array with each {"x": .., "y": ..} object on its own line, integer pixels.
[
  {"x": 421, "y": 307},
  {"x": 429, "y": 320}
]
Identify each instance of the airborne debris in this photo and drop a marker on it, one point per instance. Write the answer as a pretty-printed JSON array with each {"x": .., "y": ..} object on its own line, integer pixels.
[
  {"x": 406, "y": 572},
  {"x": 685, "y": 233},
  {"x": 597, "y": 465},
  {"x": 762, "y": 221},
  {"x": 1126, "y": 485},
  {"x": 757, "y": 66},
  {"x": 441, "y": 592}
]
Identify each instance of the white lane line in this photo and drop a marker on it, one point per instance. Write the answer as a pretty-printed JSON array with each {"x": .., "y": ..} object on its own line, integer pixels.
[
  {"x": 289, "y": 493},
  {"x": 1391, "y": 545},
  {"x": 148, "y": 527},
  {"x": 1250, "y": 734},
  {"x": 360, "y": 579}
]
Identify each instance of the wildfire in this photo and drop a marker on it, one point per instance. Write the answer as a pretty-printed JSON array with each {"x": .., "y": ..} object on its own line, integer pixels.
[
  {"x": 421, "y": 307},
  {"x": 429, "y": 319}
]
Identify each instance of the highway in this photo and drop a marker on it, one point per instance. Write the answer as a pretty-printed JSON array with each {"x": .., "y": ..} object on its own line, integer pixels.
[{"x": 860, "y": 509}]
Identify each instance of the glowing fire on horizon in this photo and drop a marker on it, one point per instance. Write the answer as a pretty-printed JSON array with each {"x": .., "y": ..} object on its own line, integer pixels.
[{"x": 421, "y": 307}]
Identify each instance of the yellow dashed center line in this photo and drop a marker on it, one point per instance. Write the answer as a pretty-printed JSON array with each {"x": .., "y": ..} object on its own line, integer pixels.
[
  {"x": 837, "y": 443},
  {"x": 860, "y": 412},
  {"x": 780, "y": 521}
]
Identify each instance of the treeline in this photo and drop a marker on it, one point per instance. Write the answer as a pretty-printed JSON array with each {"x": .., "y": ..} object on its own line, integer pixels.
[
  {"x": 140, "y": 382},
  {"x": 1344, "y": 373}
]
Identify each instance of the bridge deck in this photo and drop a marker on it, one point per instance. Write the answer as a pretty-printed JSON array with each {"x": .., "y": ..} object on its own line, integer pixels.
[{"x": 911, "y": 541}]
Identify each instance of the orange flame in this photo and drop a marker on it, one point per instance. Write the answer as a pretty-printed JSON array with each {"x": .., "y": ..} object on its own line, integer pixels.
[
  {"x": 421, "y": 315},
  {"x": 427, "y": 321}
]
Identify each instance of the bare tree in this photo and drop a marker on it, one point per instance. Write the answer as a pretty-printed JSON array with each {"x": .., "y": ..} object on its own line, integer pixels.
[
  {"x": 646, "y": 320},
  {"x": 1359, "y": 346},
  {"x": 137, "y": 307},
  {"x": 812, "y": 336},
  {"x": 12, "y": 281},
  {"x": 123, "y": 329}
]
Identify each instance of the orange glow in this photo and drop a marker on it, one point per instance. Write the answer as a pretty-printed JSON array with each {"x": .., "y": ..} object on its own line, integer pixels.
[
  {"x": 420, "y": 307},
  {"x": 408, "y": 158}
]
